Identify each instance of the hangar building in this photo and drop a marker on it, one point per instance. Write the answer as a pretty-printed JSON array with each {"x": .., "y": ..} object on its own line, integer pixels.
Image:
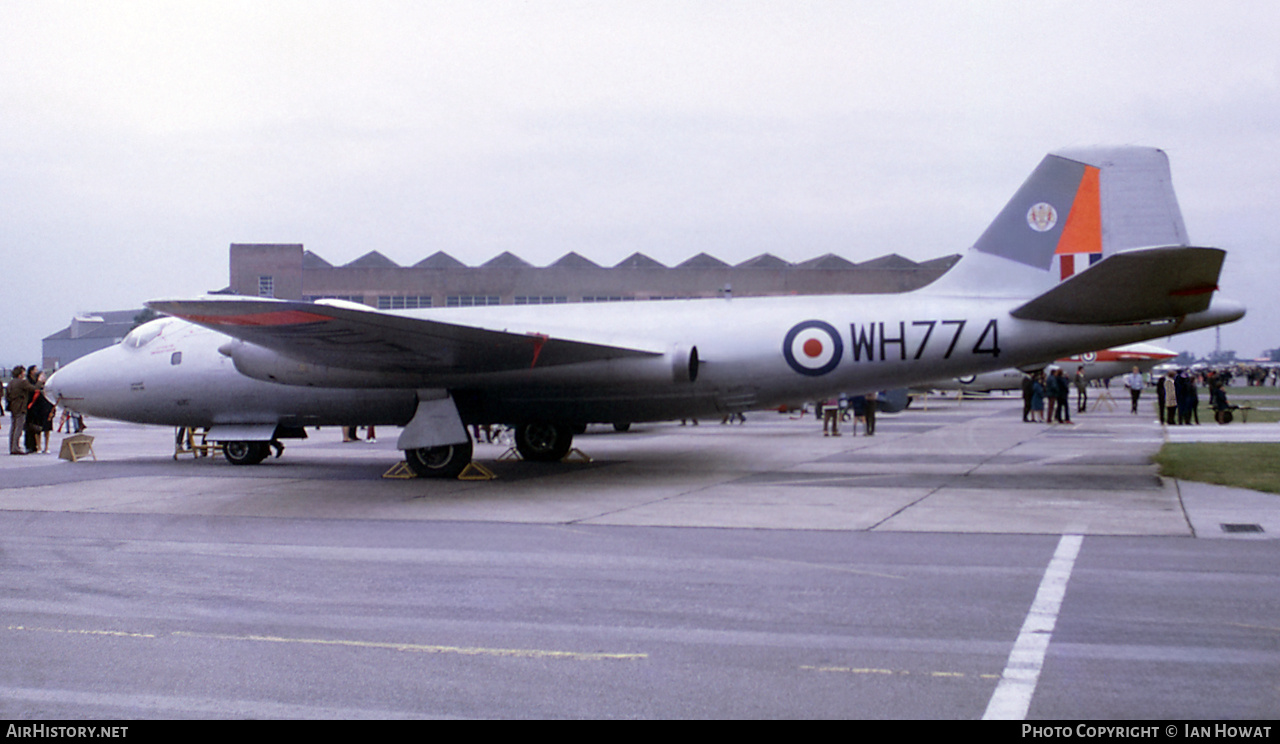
[{"x": 287, "y": 271}]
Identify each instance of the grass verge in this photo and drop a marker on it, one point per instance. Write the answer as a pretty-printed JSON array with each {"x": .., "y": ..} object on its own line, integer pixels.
[{"x": 1253, "y": 465}]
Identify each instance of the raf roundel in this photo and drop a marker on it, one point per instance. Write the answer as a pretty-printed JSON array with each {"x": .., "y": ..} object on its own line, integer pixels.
[{"x": 813, "y": 348}]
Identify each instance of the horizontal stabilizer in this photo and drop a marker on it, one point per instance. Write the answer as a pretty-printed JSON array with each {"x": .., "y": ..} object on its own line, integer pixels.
[
  {"x": 367, "y": 339},
  {"x": 1133, "y": 286}
]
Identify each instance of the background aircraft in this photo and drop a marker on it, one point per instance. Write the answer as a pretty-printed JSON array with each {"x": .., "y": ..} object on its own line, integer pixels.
[
  {"x": 1098, "y": 365},
  {"x": 268, "y": 367}
]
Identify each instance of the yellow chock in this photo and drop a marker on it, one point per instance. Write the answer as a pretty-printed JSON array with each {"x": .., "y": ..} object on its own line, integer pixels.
[
  {"x": 400, "y": 470},
  {"x": 576, "y": 455},
  {"x": 474, "y": 471}
]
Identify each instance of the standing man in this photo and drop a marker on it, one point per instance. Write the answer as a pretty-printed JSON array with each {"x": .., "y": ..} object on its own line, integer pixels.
[
  {"x": 17, "y": 397},
  {"x": 858, "y": 406},
  {"x": 831, "y": 418},
  {"x": 1064, "y": 396},
  {"x": 1133, "y": 381},
  {"x": 1082, "y": 390},
  {"x": 1050, "y": 394}
]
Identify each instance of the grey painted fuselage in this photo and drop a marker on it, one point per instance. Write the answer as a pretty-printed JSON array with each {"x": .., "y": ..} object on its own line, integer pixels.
[{"x": 172, "y": 372}]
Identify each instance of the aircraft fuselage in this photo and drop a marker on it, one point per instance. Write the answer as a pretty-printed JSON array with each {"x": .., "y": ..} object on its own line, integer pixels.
[{"x": 718, "y": 356}]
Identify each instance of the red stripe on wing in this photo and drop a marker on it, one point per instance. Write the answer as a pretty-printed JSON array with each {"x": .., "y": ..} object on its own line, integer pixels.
[{"x": 277, "y": 318}]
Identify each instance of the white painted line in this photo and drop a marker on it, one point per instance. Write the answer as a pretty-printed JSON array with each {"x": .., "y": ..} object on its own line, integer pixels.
[{"x": 1012, "y": 698}]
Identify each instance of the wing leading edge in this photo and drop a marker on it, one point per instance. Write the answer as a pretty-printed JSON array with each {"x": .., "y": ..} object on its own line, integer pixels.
[{"x": 350, "y": 338}]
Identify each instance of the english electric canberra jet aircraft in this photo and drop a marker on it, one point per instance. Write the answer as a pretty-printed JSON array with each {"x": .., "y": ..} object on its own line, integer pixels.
[{"x": 252, "y": 369}]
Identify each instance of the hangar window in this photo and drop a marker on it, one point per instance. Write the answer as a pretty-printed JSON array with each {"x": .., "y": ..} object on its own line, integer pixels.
[
  {"x": 397, "y": 302},
  {"x": 534, "y": 300},
  {"x": 471, "y": 300}
]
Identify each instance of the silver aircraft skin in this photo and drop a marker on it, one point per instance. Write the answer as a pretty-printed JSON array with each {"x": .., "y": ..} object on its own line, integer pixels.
[
  {"x": 1098, "y": 365},
  {"x": 252, "y": 369}
]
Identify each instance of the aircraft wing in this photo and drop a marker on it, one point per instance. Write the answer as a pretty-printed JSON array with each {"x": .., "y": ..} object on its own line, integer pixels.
[
  {"x": 1133, "y": 286},
  {"x": 368, "y": 339}
]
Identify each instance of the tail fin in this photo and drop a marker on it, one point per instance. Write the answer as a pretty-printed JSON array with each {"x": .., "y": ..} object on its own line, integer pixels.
[
  {"x": 1077, "y": 207},
  {"x": 1086, "y": 204}
]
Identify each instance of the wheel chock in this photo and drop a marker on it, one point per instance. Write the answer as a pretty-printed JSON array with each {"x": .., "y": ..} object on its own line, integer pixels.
[
  {"x": 511, "y": 454},
  {"x": 474, "y": 471},
  {"x": 576, "y": 455},
  {"x": 400, "y": 470}
]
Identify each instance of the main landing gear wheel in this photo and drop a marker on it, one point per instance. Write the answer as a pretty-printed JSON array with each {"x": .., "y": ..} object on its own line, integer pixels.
[
  {"x": 543, "y": 442},
  {"x": 439, "y": 462},
  {"x": 245, "y": 453}
]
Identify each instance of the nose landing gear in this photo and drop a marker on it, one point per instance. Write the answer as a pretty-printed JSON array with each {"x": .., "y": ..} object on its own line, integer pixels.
[{"x": 245, "y": 453}]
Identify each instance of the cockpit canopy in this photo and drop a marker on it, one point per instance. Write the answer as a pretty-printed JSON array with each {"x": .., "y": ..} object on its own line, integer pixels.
[{"x": 145, "y": 333}]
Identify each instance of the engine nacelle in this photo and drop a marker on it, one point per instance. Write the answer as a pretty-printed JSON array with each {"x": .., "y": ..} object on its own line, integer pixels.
[
  {"x": 684, "y": 364},
  {"x": 264, "y": 364}
]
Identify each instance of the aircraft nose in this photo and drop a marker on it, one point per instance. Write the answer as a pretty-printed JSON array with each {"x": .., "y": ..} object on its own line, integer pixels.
[
  {"x": 92, "y": 384},
  {"x": 61, "y": 386},
  {"x": 71, "y": 386}
]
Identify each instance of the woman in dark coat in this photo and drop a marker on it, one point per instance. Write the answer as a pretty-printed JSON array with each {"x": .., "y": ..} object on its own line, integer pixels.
[{"x": 40, "y": 413}]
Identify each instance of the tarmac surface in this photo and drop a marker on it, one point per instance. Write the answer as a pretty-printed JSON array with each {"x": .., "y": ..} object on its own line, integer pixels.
[
  {"x": 959, "y": 564},
  {"x": 943, "y": 465}
]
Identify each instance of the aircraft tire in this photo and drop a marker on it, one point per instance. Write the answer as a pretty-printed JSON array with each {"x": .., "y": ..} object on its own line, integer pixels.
[
  {"x": 439, "y": 462},
  {"x": 543, "y": 442},
  {"x": 621, "y": 426},
  {"x": 245, "y": 453}
]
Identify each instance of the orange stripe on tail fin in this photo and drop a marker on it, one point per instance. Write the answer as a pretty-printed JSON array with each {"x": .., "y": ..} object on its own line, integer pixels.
[{"x": 1083, "y": 231}]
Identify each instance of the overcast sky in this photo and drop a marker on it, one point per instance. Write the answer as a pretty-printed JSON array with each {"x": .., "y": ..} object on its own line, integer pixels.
[{"x": 139, "y": 139}]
